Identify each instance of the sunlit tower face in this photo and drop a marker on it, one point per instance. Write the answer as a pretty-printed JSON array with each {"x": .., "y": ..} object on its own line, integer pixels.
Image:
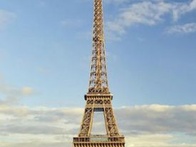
[
  {"x": 98, "y": 97},
  {"x": 98, "y": 82}
]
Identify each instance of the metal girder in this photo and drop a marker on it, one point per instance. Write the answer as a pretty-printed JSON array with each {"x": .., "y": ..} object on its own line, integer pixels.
[
  {"x": 98, "y": 77},
  {"x": 112, "y": 138},
  {"x": 98, "y": 97}
]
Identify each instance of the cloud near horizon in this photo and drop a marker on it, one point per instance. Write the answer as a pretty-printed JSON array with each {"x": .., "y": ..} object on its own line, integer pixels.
[{"x": 142, "y": 125}]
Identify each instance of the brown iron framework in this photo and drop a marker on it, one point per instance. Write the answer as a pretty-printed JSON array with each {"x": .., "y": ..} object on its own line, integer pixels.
[{"x": 98, "y": 97}]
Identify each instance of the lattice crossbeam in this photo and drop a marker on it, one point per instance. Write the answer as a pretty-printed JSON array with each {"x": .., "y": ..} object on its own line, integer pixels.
[
  {"x": 99, "y": 104},
  {"x": 98, "y": 82},
  {"x": 98, "y": 97}
]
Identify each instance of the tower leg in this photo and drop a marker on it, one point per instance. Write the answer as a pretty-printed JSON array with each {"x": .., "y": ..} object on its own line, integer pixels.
[{"x": 87, "y": 122}]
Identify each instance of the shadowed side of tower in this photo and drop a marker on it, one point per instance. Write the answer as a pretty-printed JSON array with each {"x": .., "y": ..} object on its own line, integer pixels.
[{"x": 98, "y": 97}]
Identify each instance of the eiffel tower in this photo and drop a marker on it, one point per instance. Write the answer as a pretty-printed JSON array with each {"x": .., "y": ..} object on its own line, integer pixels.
[{"x": 98, "y": 97}]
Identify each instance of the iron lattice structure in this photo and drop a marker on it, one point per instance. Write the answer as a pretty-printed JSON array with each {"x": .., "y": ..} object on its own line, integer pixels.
[
  {"x": 98, "y": 77},
  {"x": 98, "y": 97}
]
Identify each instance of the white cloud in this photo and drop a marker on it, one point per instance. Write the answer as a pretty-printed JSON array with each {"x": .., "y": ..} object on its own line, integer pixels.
[
  {"x": 155, "y": 140},
  {"x": 186, "y": 28},
  {"x": 12, "y": 95},
  {"x": 150, "y": 13},
  {"x": 38, "y": 127},
  {"x": 180, "y": 9},
  {"x": 146, "y": 125},
  {"x": 5, "y": 18},
  {"x": 158, "y": 119},
  {"x": 27, "y": 90}
]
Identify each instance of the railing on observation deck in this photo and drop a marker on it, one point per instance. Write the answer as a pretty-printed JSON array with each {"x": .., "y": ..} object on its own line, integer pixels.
[{"x": 99, "y": 138}]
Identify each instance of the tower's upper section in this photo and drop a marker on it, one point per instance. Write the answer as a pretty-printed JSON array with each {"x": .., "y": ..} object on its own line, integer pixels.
[{"x": 98, "y": 83}]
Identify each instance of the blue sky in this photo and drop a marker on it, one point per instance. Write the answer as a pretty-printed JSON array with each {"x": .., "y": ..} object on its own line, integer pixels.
[{"x": 45, "y": 50}]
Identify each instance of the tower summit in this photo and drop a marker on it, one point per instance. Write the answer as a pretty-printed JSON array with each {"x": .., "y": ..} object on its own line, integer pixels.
[
  {"x": 98, "y": 77},
  {"x": 98, "y": 97}
]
